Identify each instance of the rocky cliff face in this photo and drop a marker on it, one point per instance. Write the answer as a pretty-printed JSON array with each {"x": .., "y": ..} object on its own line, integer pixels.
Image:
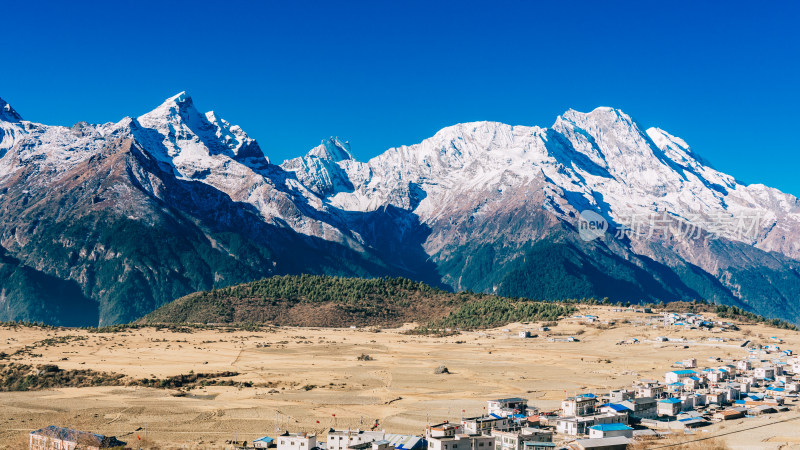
[{"x": 130, "y": 215}]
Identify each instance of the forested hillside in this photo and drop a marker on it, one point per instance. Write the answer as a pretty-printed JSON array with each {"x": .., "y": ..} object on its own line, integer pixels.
[{"x": 310, "y": 300}]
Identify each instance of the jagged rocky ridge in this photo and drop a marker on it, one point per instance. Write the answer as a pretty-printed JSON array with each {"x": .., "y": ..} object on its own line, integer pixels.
[{"x": 130, "y": 215}]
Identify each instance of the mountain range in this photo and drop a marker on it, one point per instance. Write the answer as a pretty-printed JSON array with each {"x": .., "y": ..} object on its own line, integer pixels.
[{"x": 103, "y": 223}]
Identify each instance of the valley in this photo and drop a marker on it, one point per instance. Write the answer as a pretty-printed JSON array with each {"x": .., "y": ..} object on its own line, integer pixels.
[{"x": 302, "y": 377}]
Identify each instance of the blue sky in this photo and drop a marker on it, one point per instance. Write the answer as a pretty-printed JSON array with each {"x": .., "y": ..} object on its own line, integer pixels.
[{"x": 723, "y": 76}]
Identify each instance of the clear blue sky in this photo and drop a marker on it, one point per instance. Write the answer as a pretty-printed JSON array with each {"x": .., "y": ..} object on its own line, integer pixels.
[{"x": 725, "y": 76}]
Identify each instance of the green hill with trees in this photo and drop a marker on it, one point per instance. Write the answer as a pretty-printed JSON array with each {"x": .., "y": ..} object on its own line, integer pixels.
[{"x": 312, "y": 300}]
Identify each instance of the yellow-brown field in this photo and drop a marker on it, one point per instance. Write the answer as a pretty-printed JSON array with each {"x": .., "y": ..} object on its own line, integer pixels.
[{"x": 314, "y": 373}]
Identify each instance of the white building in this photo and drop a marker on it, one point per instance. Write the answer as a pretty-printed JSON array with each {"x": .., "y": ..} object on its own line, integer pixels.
[
  {"x": 580, "y": 405},
  {"x": 610, "y": 430},
  {"x": 504, "y": 407},
  {"x": 762, "y": 373},
  {"x": 344, "y": 439},
  {"x": 296, "y": 441},
  {"x": 677, "y": 375},
  {"x": 442, "y": 430},
  {"x": 485, "y": 424},
  {"x": 515, "y": 440},
  {"x": 462, "y": 442},
  {"x": 574, "y": 426},
  {"x": 669, "y": 407}
]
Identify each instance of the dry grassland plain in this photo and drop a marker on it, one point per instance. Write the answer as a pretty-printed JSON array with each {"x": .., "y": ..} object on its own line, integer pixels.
[{"x": 312, "y": 378}]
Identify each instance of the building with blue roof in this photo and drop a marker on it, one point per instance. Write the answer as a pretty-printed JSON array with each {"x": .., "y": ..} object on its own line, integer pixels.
[
  {"x": 610, "y": 430},
  {"x": 263, "y": 442},
  {"x": 616, "y": 407},
  {"x": 678, "y": 375}
]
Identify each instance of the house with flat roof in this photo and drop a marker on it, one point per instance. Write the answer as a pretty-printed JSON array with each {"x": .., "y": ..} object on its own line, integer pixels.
[
  {"x": 445, "y": 429},
  {"x": 669, "y": 407},
  {"x": 650, "y": 388},
  {"x": 579, "y": 405},
  {"x": 642, "y": 407},
  {"x": 296, "y": 441},
  {"x": 462, "y": 442},
  {"x": 344, "y": 439},
  {"x": 503, "y": 407},
  {"x": 515, "y": 440},
  {"x": 485, "y": 424}
]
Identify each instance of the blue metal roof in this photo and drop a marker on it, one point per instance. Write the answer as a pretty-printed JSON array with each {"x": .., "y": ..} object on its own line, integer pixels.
[
  {"x": 683, "y": 372},
  {"x": 617, "y": 407},
  {"x": 611, "y": 427},
  {"x": 266, "y": 439},
  {"x": 670, "y": 400},
  {"x": 495, "y": 416}
]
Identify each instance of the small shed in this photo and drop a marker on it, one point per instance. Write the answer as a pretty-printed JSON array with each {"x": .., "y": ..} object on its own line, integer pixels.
[{"x": 263, "y": 442}]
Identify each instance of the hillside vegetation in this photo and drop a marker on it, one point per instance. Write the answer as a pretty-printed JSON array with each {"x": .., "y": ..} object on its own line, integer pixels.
[{"x": 311, "y": 300}]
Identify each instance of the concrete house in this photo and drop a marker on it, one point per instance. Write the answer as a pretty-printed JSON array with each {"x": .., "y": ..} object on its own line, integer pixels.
[
  {"x": 504, "y": 407},
  {"x": 619, "y": 395},
  {"x": 650, "y": 388},
  {"x": 485, "y": 424},
  {"x": 462, "y": 442},
  {"x": 642, "y": 407},
  {"x": 515, "y": 440},
  {"x": 344, "y": 439},
  {"x": 580, "y": 405},
  {"x": 669, "y": 407},
  {"x": 296, "y": 441},
  {"x": 574, "y": 426},
  {"x": 763, "y": 373},
  {"x": 717, "y": 398}
]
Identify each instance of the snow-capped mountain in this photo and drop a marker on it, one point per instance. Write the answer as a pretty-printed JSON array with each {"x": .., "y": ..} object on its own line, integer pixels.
[{"x": 177, "y": 200}]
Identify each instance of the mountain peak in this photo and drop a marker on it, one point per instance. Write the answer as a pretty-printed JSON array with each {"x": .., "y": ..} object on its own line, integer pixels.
[
  {"x": 605, "y": 114},
  {"x": 180, "y": 104},
  {"x": 333, "y": 149},
  {"x": 7, "y": 113},
  {"x": 181, "y": 97}
]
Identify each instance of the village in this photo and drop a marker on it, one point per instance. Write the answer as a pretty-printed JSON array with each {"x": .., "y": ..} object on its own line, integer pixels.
[{"x": 693, "y": 395}]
